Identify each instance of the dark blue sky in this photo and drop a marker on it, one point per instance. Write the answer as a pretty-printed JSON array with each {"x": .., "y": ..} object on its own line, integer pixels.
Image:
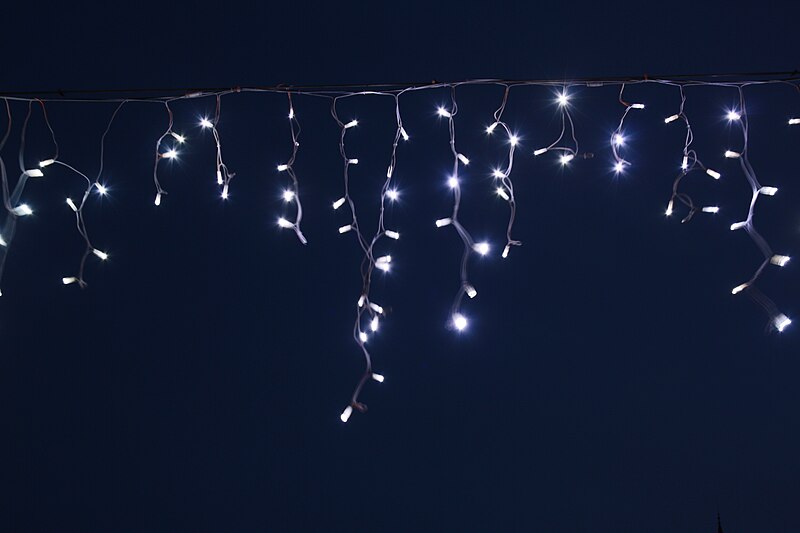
[{"x": 608, "y": 380}]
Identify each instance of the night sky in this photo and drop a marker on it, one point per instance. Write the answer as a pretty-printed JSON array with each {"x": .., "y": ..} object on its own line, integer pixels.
[{"x": 608, "y": 380}]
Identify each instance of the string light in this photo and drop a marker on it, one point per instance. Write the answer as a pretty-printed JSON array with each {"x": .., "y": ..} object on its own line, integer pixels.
[{"x": 292, "y": 196}]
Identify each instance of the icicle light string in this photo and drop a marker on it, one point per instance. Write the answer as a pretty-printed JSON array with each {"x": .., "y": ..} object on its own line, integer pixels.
[
  {"x": 505, "y": 187},
  {"x": 369, "y": 313},
  {"x": 292, "y": 194}
]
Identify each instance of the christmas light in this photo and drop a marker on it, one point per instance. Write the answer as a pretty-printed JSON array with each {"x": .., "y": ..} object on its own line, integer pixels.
[
  {"x": 460, "y": 322},
  {"x": 338, "y": 203},
  {"x": 502, "y": 193},
  {"x": 102, "y": 255},
  {"x": 282, "y": 222},
  {"x": 180, "y": 138},
  {"x": 377, "y": 377},
  {"x": 793, "y": 121},
  {"x": 481, "y": 247},
  {"x": 732, "y": 155},
  {"x": 72, "y": 205},
  {"x": 34, "y": 173},
  {"x": 22, "y": 210},
  {"x": 712, "y": 209},
  {"x": 443, "y": 222},
  {"x": 392, "y": 194},
  {"x": 768, "y": 191},
  {"x": 46, "y": 163},
  {"x": 782, "y": 322},
  {"x": 205, "y": 123},
  {"x": 779, "y": 260},
  {"x": 463, "y": 159},
  {"x": 351, "y": 124},
  {"x": 671, "y": 118},
  {"x": 566, "y": 158},
  {"x": 733, "y": 115},
  {"x": 470, "y": 290},
  {"x": 281, "y": 168},
  {"x": 101, "y": 189},
  {"x": 69, "y": 280},
  {"x": 444, "y": 112},
  {"x": 739, "y": 288},
  {"x": 346, "y": 228},
  {"x": 392, "y": 234},
  {"x": 713, "y": 173},
  {"x": 345, "y": 416}
]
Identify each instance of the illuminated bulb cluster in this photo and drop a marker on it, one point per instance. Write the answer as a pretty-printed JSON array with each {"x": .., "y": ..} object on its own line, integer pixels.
[{"x": 291, "y": 196}]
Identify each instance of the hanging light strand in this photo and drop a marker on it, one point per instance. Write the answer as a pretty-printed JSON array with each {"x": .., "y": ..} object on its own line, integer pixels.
[{"x": 292, "y": 195}]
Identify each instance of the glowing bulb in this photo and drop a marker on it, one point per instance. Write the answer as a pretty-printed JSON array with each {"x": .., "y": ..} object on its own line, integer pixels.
[
  {"x": 99, "y": 253},
  {"x": 444, "y": 112},
  {"x": 170, "y": 154},
  {"x": 362, "y": 336},
  {"x": 459, "y": 321},
  {"x": 452, "y": 182},
  {"x": 68, "y": 281},
  {"x": 566, "y": 158},
  {"x": 22, "y": 210},
  {"x": 768, "y": 191},
  {"x": 392, "y": 234},
  {"x": 738, "y": 225},
  {"x": 72, "y": 205},
  {"x": 404, "y": 134},
  {"x": 219, "y": 177},
  {"x": 540, "y": 151},
  {"x": 101, "y": 189},
  {"x": 205, "y": 123},
  {"x": 563, "y": 99},
  {"x": 513, "y": 140},
  {"x": 180, "y": 138},
  {"x": 158, "y": 199},
  {"x": 739, "y": 288},
  {"x": 393, "y": 194},
  {"x": 618, "y": 167},
  {"x": 731, "y": 154},
  {"x": 352, "y": 161},
  {"x": 375, "y": 307},
  {"x": 351, "y": 124},
  {"x": 3, "y": 241},
  {"x": 46, "y": 163},
  {"x": 443, "y": 222},
  {"x": 793, "y": 121},
  {"x": 713, "y": 173},
  {"x": 506, "y": 250},
  {"x": 281, "y": 168},
  {"x": 377, "y": 377},
  {"x": 637, "y": 106},
  {"x": 291, "y": 113},
  {"x": 225, "y": 192},
  {"x": 463, "y": 158},
  {"x": 733, "y": 115},
  {"x": 470, "y": 290},
  {"x": 345, "y": 229},
  {"x": 345, "y": 416},
  {"x": 361, "y": 301},
  {"x": 671, "y": 119},
  {"x": 502, "y": 193},
  {"x": 685, "y": 162},
  {"x": 389, "y": 171},
  {"x": 373, "y": 325},
  {"x": 282, "y": 222},
  {"x": 481, "y": 247},
  {"x": 779, "y": 260},
  {"x": 490, "y": 128},
  {"x": 497, "y": 174},
  {"x": 619, "y": 140},
  {"x": 338, "y": 203},
  {"x": 711, "y": 209},
  {"x": 34, "y": 173},
  {"x": 781, "y": 321},
  {"x": 288, "y": 195},
  {"x": 669, "y": 208}
]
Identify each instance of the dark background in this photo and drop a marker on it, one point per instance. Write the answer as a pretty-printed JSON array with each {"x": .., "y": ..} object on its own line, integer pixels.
[{"x": 608, "y": 380}]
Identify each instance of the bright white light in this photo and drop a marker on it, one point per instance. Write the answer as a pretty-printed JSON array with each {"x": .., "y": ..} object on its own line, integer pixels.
[
  {"x": 443, "y": 222},
  {"x": 463, "y": 158},
  {"x": 345, "y": 416},
  {"x": 101, "y": 189},
  {"x": 170, "y": 154},
  {"x": 361, "y": 300},
  {"x": 377, "y": 377},
  {"x": 637, "y": 106},
  {"x": 513, "y": 140},
  {"x": 731, "y": 154},
  {"x": 470, "y": 290},
  {"x": 459, "y": 321},
  {"x": 793, "y": 121},
  {"x": 291, "y": 113},
  {"x": 180, "y": 138},
  {"x": 540, "y": 151},
  {"x": 34, "y": 173},
  {"x": 219, "y": 177},
  {"x": 383, "y": 266},
  {"x": 685, "y": 162},
  {"x": 711, "y": 209},
  {"x": 669, "y": 208},
  {"x": 733, "y": 115},
  {"x": 384, "y": 259},
  {"x": 22, "y": 210},
  {"x": 338, "y": 203},
  {"x": 768, "y": 191},
  {"x": 46, "y": 163},
  {"x": 452, "y": 182},
  {"x": 781, "y": 321},
  {"x": 225, "y": 192},
  {"x": 389, "y": 171},
  {"x": 158, "y": 199},
  {"x": 288, "y": 195},
  {"x": 497, "y": 174},
  {"x": 506, "y": 250},
  {"x": 351, "y": 124},
  {"x": 373, "y": 325},
  {"x": 72, "y": 205},
  {"x": 375, "y": 307},
  {"x": 3, "y": 241},
  {"x": 566, "y": 158},
  {"x": 713, "y": 173},
  {"x": 345, "y": 229},
  {"x": 352, "y": 161},
  {"x": 99, "y": 253},
  {"x": 444, "y": 112},
  {"x": 619, "y": 139},
  {"x": 490, "y": 128},
  {"x": 738, "y": 225},
  {"x": 780, "y": 260},
  {"x": 282, "y": 222},
  {"x": 671, "y": 119},
  {"x": 205, "y": 123},
  {"x": 563, "y": 99},
  {"x": 481, "y": 247},
  {"x": 404, "y": 134},
  {"x": 362, "y": 336},
  {"x": 619, "y": 167},
  {"x": 392, "y": 194},
  {"x": 739, "y": 288},
  {"x": 68, "y": 281},
  {"x": 281, "y": 168},
  {"x": 392, "y": 234},
  {"x": 502, "y": 193}
]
